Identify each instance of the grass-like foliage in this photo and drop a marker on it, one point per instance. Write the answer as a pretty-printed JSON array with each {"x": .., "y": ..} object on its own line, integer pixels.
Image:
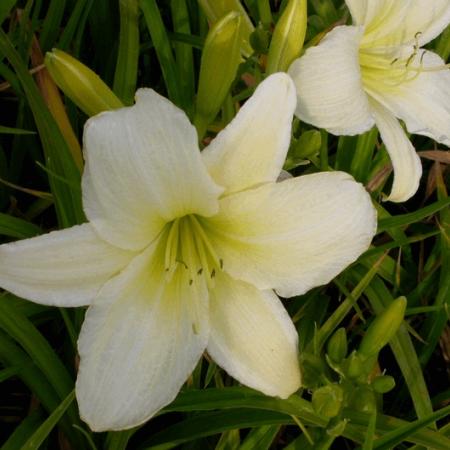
[{"x": 376, "y": 368}]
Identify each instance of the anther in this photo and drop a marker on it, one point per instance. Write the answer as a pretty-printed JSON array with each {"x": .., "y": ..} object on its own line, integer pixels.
[
  {"x": 213, "y": 273},
  {"x": 199, "y": 272},
  {"x": 221, "y": 263},
  {"x": 182, "y": 262}
]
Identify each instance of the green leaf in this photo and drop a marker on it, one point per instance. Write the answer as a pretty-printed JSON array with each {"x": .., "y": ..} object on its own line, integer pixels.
[
  {"x": 23, "y": 431},
  {"x": 404, "y": 351},
  {"x": 163, "y": 50},
  {"x": 260, "y": 438},
  {"x": 38, "y": 437},
  {"x": 128, "y": 55},
  {"x": 209, "y": 423},
  {"x": 52, "y": 24},
  {"x": 80, "y": 8},
  {"x": 416, "y": 216},
  {"x": 5, "y": 8},
  {"x": 57, "y": 152},
  {"x": 24, "y": 332},
  {"x": 183, "y": 52},
  {"x": 17, "y": 228},
  {"x": 8, "y": 130},
  {"x": 400, "y": 434}
]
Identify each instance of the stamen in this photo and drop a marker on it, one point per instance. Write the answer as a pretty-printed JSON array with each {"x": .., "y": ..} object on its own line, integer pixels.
[
  {"x": 201, "y": 232},
  {"x": 171, "y": 253},
  {"x": 188, "y": 245}
]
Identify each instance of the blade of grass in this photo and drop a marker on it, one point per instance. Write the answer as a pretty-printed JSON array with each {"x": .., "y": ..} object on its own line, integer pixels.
[
  {"x": 52, "y": 24},
  {"x": 5, "y": 7},
  {"x": 260, "y": 438},
  {"x": 57, "y": 153},
  {"x": 345, "y": 307},
  {"x": 23, "y": 431},
  {"x": 404, "y": 351},
  {"x": 407, "y": 219},
  {"x": 183, "y": 53},
  {"x": 25, "y": 333},
  {"x": 397, "y": 436},
  {"x": 163, "y": 49},
  {"x": 435, "y": 323},
  {"x": 35, "y": 441},
  {"x": 8, "y": 130},
  {"x": 118, "y": 440},
  {"x": 17, "y": 228},
  {"x": 127, "y": 58},
  {"x": 80, "y": 8},
  {"x": 362, "y": 158}
]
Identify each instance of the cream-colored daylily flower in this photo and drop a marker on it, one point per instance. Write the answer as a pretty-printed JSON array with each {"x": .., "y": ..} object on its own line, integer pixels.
[
  {"x": 375, "y": 72},
  {"x": 183, "y": 252}
]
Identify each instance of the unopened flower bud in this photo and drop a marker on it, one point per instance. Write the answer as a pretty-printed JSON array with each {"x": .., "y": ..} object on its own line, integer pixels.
[
  {"x": 354, "y": 366},
  {"x": 83, "y": 86},
  {"x": 217, "y": 9},
  {"x": 337, "y": 346},
  {"x": 383, "y": 328},
  {"x": 313, "y": 368},
  {"x": 220, "y": 60},
  {"x": 327, "y": 400},
  {"x": 288, "y": 37},
  {"x": 383, "y": 384}
]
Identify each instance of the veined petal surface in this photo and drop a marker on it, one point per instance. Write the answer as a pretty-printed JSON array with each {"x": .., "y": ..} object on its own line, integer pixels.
[
  {"x": 422, "y": 101},
  {"x": 405, "y": 161},
  {"x": 396, "y": 22},
  {"x": 62, "y": 268},
  {"x": 251, "y": 150},
  {"x": 253, "y": 337},
  {"x": 139, "y": 342},
  {"x": 293, "y": 235},
  {"x": 329, "y": 87},
  {"x": 143, "y": 168}
]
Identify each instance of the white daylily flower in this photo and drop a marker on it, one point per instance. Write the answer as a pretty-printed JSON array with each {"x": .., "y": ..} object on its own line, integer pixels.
[
  {"x": 374, "y": 72},
  {"x": 183, "y": 252}
]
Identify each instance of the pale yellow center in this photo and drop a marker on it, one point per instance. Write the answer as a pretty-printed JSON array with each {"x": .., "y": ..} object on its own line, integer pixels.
[{"x": 188, "y": 247}]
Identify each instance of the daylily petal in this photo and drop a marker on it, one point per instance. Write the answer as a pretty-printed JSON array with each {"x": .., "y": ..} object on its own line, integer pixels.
[
  {"x": 395, "y": 22},
  {"x": 253, "y": 337},
  {"x": 63, "y": 268},
  {"x": 423, "y": 100},
  {"x": 139, "y": 342},
  {"x": 329, "y": 87},
  {"x": 251, "y": 150},
  {"x": 405, "y": 161},
  {"x": 293, "y": 235},
  {"x": 143, "y": 168}
]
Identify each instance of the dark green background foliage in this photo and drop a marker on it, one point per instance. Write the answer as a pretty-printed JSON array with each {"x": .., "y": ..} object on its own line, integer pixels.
[{"x": 160, "y": 46}]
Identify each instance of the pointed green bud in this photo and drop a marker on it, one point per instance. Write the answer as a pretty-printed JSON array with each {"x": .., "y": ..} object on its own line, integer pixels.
[
  {"x": 259, "y": 39},
  {"x": 337, "y": 346},
  {"x": 288, "y": 37},
  {"x": 383, "y": 328},
  {"x": 383, "y": 384},
  {"x": 301, "y": 150},
  {"x": 327, "y": 400},
  {"x": 313, "y": 369},
  {"x": 216, "y": 9},
  {"x": 354, "y": 366},
  {"x": 219, "y": 65},
  {"x": 83, "y": 86}
]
